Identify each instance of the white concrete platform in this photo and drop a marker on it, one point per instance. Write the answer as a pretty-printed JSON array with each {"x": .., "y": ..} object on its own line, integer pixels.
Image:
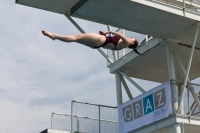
[
  {"x": 191, "y": 125},
  {"x": 150, "y": 17},
  {"x": 153, "y": 66}
]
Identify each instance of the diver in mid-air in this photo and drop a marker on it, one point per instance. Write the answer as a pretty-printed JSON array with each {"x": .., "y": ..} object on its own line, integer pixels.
[{"x": 93, "y": 40}]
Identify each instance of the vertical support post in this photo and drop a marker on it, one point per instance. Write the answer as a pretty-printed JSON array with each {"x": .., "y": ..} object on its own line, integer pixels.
[
  {"x": 190, "y": 87},
  {"x": 182, "y": 128},
  {"x": 52, "y": 120},
  {"x": 179, "y": 87},
  {"x": 124, "y": 50},
  {"x": 188, "y": 96},
  {"x": 72, "y": 116},
  {"x": 118, "y": 88},
  {"x": 171, "y": 73},
  {"x": 188, "y": 66},
  {"x": 109, "y": 29},
  {"x": 99, "y": 120},
  {"x": 183, "y": 7},
  {"x": 77, "y": 124},
  {"x": 147, "y": 38},
  {"x": 177, "y": 128}
]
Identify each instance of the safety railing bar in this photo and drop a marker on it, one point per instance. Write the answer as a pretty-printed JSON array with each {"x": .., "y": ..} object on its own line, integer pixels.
[
  {"x": 60, "y": 114},
  {"x": 89, "y": 118},
  {"x": 95, "y": 104}
]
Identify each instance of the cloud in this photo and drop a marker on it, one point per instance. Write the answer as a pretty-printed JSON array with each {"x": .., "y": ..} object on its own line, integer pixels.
[
  {"x": 50, "y": 100},
  {"x": 21, "y": 61}
]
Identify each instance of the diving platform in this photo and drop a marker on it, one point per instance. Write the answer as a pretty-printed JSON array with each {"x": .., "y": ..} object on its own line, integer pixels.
[
  {"x": 159, "y": 18},
  {"x": 153, "y": 66}
]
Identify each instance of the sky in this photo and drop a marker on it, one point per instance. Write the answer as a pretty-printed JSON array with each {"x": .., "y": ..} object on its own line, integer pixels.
[{"x": 39, "y": 76}]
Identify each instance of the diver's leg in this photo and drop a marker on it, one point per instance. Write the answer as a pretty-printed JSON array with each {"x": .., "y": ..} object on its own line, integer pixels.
[
  {"x": 59, "y": 37},
  {"x": 88, "y": 39}
]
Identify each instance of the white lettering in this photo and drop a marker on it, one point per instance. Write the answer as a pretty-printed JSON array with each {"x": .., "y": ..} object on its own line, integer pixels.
[
  {"x": 160, "y": 96},
  {"x": 137, "y": 106},
  {"x": 127, "y": 109},
  {"x": 148, "y": 105}
]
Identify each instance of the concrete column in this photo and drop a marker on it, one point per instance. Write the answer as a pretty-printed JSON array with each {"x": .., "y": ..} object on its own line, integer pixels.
[
  {"x": 179, "y": 86},
  {"x": 171, "y": 73},
  {"x": 118, "y": 88},
  {"x": 177, "y": 128}
]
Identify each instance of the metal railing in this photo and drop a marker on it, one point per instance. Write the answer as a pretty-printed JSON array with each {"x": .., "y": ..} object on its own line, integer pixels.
[
  {"x": 192, "y": 5},
  {"x": 190, "y": 105},
  {"x": 86, "y": 117},
  {"x": 94, "y": 118},
  {"x": 82, "y": 124}
]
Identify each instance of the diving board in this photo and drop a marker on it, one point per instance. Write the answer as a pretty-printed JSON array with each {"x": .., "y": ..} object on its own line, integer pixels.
[
  {"x": 142, "y": 16},
  {"x": 153, "y": 66}
]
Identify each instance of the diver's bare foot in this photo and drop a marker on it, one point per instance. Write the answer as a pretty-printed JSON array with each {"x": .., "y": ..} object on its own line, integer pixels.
[{"x": 50, "y": 35}]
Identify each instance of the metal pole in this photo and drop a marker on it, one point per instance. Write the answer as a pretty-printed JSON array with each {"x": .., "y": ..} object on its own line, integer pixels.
[
  {"x": 126, "y": 88},
  {"x": 188, "y": 95},
  {"x": 188, "y": 67},
  {"x": 124, "y": 50},
  {"x": 177, "y": 128},
  {"x": 109, "y": 29},
  {"x": 171, "y": 73},
  {"x": 118, "y": 88},
  {"x": 82, "y": 31},
  {"x": 147, "y": 38},
  {"x": 133, "y": 82},
  {"x": 182, "y": 128},
  {"x": 184, "y": 72},
  {"x": 183, "y": 7},
  {"x": 52, "y": 120},
  {"x": 77, "y": 124},
  {"x": 99, "y": 120},
  {"x": 179, "y": 86},
  {"x": 72, "y": 115}
]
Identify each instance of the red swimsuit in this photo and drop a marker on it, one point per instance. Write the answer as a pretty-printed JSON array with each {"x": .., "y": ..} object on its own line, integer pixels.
[{"x": 113, "y": 39}]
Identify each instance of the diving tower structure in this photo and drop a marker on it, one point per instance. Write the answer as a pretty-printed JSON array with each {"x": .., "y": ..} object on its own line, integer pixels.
[{"x": 172, "y": 54}]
